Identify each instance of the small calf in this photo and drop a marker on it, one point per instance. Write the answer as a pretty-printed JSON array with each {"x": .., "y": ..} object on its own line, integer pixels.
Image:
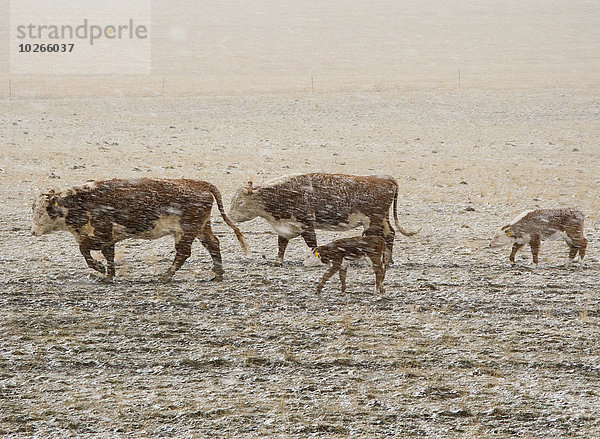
[
  {"x": 340, "y": 252},
  {"x": 533, "y": 226}
]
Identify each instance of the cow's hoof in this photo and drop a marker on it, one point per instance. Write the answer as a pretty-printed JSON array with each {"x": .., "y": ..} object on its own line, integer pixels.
[
  {"x": 107, "y": 279},
  {"x": 218, "y": 278},
  {"x": 96, "y": 279},
  {"x": 99, "y": 267},
  {"x": 575, "y": 263},
  {"x": 166, "y": 278}
]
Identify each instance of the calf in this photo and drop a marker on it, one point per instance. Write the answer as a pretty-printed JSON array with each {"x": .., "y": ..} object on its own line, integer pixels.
[
  {"x": 103, "y": 213},
  {"x": 533, "y": 226},
  {"x": 340, "y": 252}
]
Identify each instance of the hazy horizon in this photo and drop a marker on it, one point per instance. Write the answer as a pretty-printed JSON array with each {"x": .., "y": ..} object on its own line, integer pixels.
[{"x": 273, "y": 45}]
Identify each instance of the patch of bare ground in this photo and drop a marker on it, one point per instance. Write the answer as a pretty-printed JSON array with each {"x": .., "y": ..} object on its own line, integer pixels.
[{"x": 462, "y": 344}]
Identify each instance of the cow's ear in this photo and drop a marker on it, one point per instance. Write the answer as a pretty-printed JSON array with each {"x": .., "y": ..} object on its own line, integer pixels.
[
  {"x": 248, "y": 188},
  {"x": 54, "y": 206},
  {"x": 54, "y": 202},
  {"x": 508, "y": 232}
]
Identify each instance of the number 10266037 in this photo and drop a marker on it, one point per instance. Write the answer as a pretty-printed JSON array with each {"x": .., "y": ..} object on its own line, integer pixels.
[{"x": 46, "y": 48}]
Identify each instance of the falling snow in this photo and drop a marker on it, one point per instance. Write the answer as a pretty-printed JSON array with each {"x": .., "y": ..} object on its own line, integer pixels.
[{"x": 460, "y": 343}]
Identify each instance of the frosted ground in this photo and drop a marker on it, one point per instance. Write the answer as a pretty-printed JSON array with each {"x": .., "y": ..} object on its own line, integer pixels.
[{"x": 460, "y": 345}]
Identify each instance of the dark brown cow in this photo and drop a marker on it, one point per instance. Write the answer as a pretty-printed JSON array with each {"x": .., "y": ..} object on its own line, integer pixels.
[
  {"x": 533, "y": 226},
  {"x": 340, "y": 252},
  {"x": 103, "y": 213},
  {"x": 297, "y": 205}
]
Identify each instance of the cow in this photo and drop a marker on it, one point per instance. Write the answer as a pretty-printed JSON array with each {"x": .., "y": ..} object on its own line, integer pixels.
[
  {"x": 533, "y": 226},
  {"x": 296, "y": 205},
  {"x": 340, "y": 252},
  {"x": 102, "y": 213}
]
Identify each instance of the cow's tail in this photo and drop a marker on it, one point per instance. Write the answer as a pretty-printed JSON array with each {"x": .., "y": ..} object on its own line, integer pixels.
[
  {"x": 396, "y": 221},
  {"x": 240, "y": 237}
]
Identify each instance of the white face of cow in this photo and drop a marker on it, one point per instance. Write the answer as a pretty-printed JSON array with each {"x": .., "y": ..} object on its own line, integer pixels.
[
  {"x": 48, "y": 215},
  {"x": 311, "y": 259},
  {"x": 244, "y": 205},
  {"x": 502, "y": 238}
]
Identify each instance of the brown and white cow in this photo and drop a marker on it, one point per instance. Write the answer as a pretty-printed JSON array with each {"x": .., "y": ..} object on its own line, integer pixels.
[
  {"x": 340, "y": 252},
  {"x": 103, "y": 213},
  {"x": 533, "y": 226},
  {"x": 296, "y": 205}
]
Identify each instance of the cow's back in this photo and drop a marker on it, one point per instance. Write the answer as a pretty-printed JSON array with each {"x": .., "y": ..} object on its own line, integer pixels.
[
  {"x": 547, "y": 222},
  {"x": 136, "y": 204},
  {"x": 334, "y": 197}
]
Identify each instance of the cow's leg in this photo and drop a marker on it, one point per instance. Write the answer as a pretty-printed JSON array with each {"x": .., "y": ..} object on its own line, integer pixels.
[
  {"x": 582, "y": 247},
  {"x": 109, "y": 254},
  {"x": 92, "y": 263},
  {"x": 382, "y": 272},
  {"x": 534, "y": 243},
  {"x": 282, "y": 245},
  {"x": 379, "y": 269},
  {"x": 389, "y": 234},
  {"x": 577, "y": 244},
  {"x": 183, "y": 250},
  {"x": 515, "y": 248},
  {"x": 385, "y": 230},
  {"x": 330, "y": 272},
  {"x": 211, "y": 243},
  {"x": 343, "y": 271},
  {"x": 310, "y": 237},
  {"x": 573, "y": 250}
]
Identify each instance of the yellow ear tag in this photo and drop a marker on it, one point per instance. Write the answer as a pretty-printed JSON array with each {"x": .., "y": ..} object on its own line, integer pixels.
[
  {"x": 56, "y": 204},
  {"x": 508, "y": 233},
  {"x": 317, "y": 254}
]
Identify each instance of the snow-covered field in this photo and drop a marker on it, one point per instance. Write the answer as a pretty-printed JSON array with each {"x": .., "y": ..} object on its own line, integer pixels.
[{"x": 462, "y": 344}]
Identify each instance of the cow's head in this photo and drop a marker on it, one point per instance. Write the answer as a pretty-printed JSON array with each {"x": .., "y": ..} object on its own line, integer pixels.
[
  {"x": 246, "y": 204},
  {"x": 48, "y": 214},
  {"x": 312, "y": 258},
  {"x": 505, "y": 236}
]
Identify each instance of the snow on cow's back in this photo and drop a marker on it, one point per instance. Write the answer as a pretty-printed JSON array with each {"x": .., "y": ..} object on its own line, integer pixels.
[
  {"x": 544, "y": 216},
  {"x": 284, "y": 179},
  {"x": 326, "y": 180},
  {"x": 520, "y": 216},
  {"x": 350, "y": 178}
]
